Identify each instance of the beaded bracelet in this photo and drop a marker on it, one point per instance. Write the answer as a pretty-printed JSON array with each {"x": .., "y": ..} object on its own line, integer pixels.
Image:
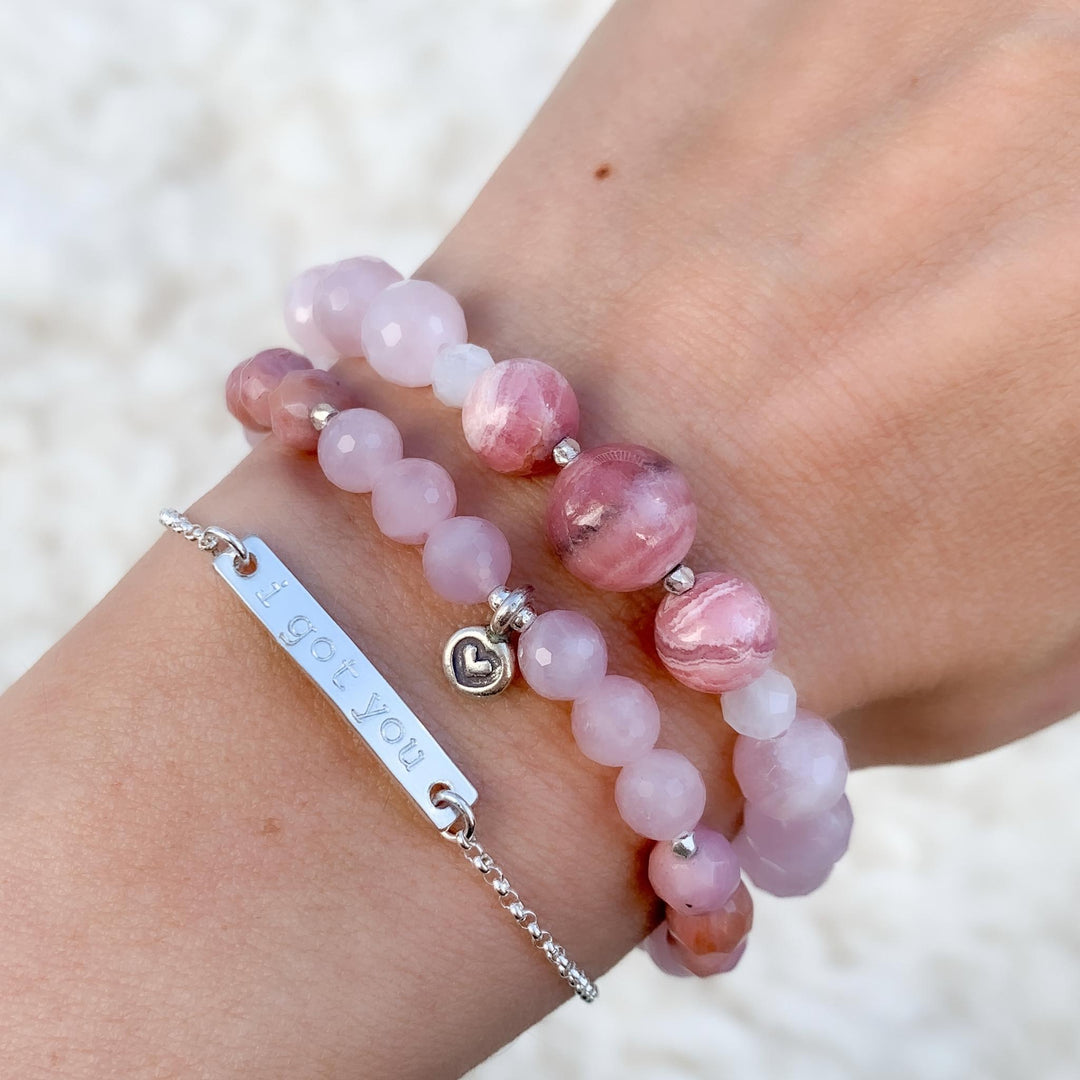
[{"x": 622, "y": 518}]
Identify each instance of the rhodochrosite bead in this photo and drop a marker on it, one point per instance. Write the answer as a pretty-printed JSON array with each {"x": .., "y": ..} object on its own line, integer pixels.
[
  {"x": 798, "y": 775},
  {"x": 515, "y": 414},
  {"x": 341, "y": 296},
  {"x": 405, "y": 327},
  {"x": 562, "y": 655},
  {"x": 718, "y": 636},
  {"x": 299, "y": 314},
  {"x": 716, "y": 963},
  {"x": 355, "y": 446},
  {"x": 793, "y": 858},
  {"x": 660, "y": 795},
  {"x": 762, "y": 709},
  {"x": 292, "y": 400},
  {"x": 616, "y": 722},
  {"x": 697, "y": 883},
  {"x": 721, "y": 930},
  {"x": 410, "y": 498},
  {"x": 248, "y": 388},
  {"x": 621, "y": 516},
  {"x": 465, "y": 558}
]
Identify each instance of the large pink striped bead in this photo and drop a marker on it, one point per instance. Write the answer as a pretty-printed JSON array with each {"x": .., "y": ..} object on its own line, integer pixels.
[
  {"x": 621, "y": 516},
  {"x": 718, "y": 636}
]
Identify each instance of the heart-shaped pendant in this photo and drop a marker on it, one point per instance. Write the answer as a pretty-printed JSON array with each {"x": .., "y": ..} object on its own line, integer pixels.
[{"x": 478, "y": 663}]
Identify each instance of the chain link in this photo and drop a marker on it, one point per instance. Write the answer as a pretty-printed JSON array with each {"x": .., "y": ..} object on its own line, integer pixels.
[{"x": 208, "y": 538}]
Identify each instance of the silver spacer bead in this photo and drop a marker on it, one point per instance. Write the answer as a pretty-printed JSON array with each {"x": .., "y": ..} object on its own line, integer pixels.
[
  {"x": 684, "y": 846},
  {"x": 679, "y": 580},
  {"x": 512, "y": 610},
  {"x": 565, "y": 451},
  {"x": 321, "y": 415}
]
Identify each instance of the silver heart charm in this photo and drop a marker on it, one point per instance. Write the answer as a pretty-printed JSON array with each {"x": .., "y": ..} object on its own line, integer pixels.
[{"x": 477, "y": 662}]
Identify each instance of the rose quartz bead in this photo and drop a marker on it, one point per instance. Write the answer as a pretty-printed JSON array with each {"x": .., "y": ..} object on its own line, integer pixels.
[
  {"x": 719, "y": 931},
  {"x": 405, "y": 327},
  {"x": 355, "y": 446},
  {"x": 615, "y": 722},
  {"x": 660, "y": 795},
  {"x": 799, "y": 774},
  {"x": 562, "y": 655},
  {"x": 717, "y": 963},
  {"x": 465, "y": 558},
  {"x": 762, "y": 709},
  {"x": 793, "y": 858},
  {"x": 299, "y": 320},
  {"x": 342, "y": 296},
  {"x": 620, "y": 517},
  {"x": 515, "y": 414},
  {"x": 292, "y": 400},
  {"x": 718, "y": 636},
  {"x": 660, "y": 949},
  {"x": 410, "y": 498},
  {"x": 699, "y": 883},
  {"x": 250, "y": 383}
]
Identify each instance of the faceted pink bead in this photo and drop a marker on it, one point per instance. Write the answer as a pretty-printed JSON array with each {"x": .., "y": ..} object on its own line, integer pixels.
[
  {"x": 342, "y": 296},
  {"x": 799, "y": 774},
  {"x": 410, "y": 498},
  {"x": 793, "y": 858},
  {"x": 621, "y": 516},
  {"x": 292, "y": 400},
  {"x": 716, "y": 963},
  {"x": 720, "y": 931},
  {"x": 660, "y": 949},
  {"x": 299, "y": 316},
  {"x": 562, "y": 655},
  {"x": 355, "y": 446},
  {"x": 700, "y": 883},
  {"x": 718, "y": 636},
  {"x": 660, "y": 795},
  {"x": 515, "y": 414},
  {"x": 465, "y": 558},
  {"x": 250, "y": 383},
  {"x": 615, "y": 722},
  {"x": 405, "y": 326},
  {"x": 762, "y": 709}
]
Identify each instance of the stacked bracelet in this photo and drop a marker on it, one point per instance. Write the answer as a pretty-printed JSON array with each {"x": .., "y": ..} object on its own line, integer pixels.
[{"x": 621, "y": 518}]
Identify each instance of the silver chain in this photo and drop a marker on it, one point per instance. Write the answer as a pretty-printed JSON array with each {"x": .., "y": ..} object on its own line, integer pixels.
[{"x": 462, "y": 831}]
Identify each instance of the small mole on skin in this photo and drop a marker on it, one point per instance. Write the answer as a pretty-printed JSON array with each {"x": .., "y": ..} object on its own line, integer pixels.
[
  {"x": 270, "y": 826},
  {"x": 602, "y": 171}
]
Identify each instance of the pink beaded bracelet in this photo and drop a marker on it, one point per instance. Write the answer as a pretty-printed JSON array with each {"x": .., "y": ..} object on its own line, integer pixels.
[{"x": 622, "y": 518}]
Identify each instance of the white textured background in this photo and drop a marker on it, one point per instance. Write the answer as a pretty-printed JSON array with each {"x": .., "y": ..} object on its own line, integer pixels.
[{"x": 164, "y": 168}]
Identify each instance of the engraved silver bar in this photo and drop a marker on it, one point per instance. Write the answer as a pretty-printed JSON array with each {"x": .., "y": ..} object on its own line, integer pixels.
[{"x": 347, "y": 677}]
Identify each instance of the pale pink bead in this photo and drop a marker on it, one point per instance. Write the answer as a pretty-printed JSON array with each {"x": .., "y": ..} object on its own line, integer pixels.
[
  {"x": 799, "y": 774},
  {"x": 292, "y": 400},
  {"x": 615, "y": 722},
  {"x": 299, "y": 320},
  {"x": 660, "y": 795},
  {"x": 720, "y": 931},
  {"x": 562, "y": 655},
  {"x": 793, "y": 858},
  {"x": 355, "y": 446},
  {"x": 515, "y": 414},
  {"x": 718, "y": 636},
  {"x": 410, "y": 498},
  {"x": 716, "y": 963},
  {"x": 660, "y": 949},
  {"x": 405, "y": 327},
  {"x": 342, "y": 296},
  {"x": 465, "y": 558},
  {"x": 621, "y": 516},
  {"x": 699, "y": 883},
  {"x": 250, "y": 383},
  {"x": 762, "y": 709}
]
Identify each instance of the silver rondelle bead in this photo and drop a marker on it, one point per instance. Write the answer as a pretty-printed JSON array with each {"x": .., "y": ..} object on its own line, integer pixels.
[
  {"x": 684, "y": 846},
  {"x": 321, "y": 415},
  {"x": 679, "y": 580},
  {"x": 512, "y": 610},
  {"x": 565, "y": 451}
]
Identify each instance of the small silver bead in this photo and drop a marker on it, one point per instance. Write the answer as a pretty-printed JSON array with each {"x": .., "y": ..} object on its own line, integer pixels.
[
  {"x": 565, "y": 451},
  {"x": 679, "y": 580},
  {"x": 497, "y": 597},
  {"x": 321, "y": 415},
  {"x": 524, "y": 619},
  {"x": 684, "y": 846}
]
